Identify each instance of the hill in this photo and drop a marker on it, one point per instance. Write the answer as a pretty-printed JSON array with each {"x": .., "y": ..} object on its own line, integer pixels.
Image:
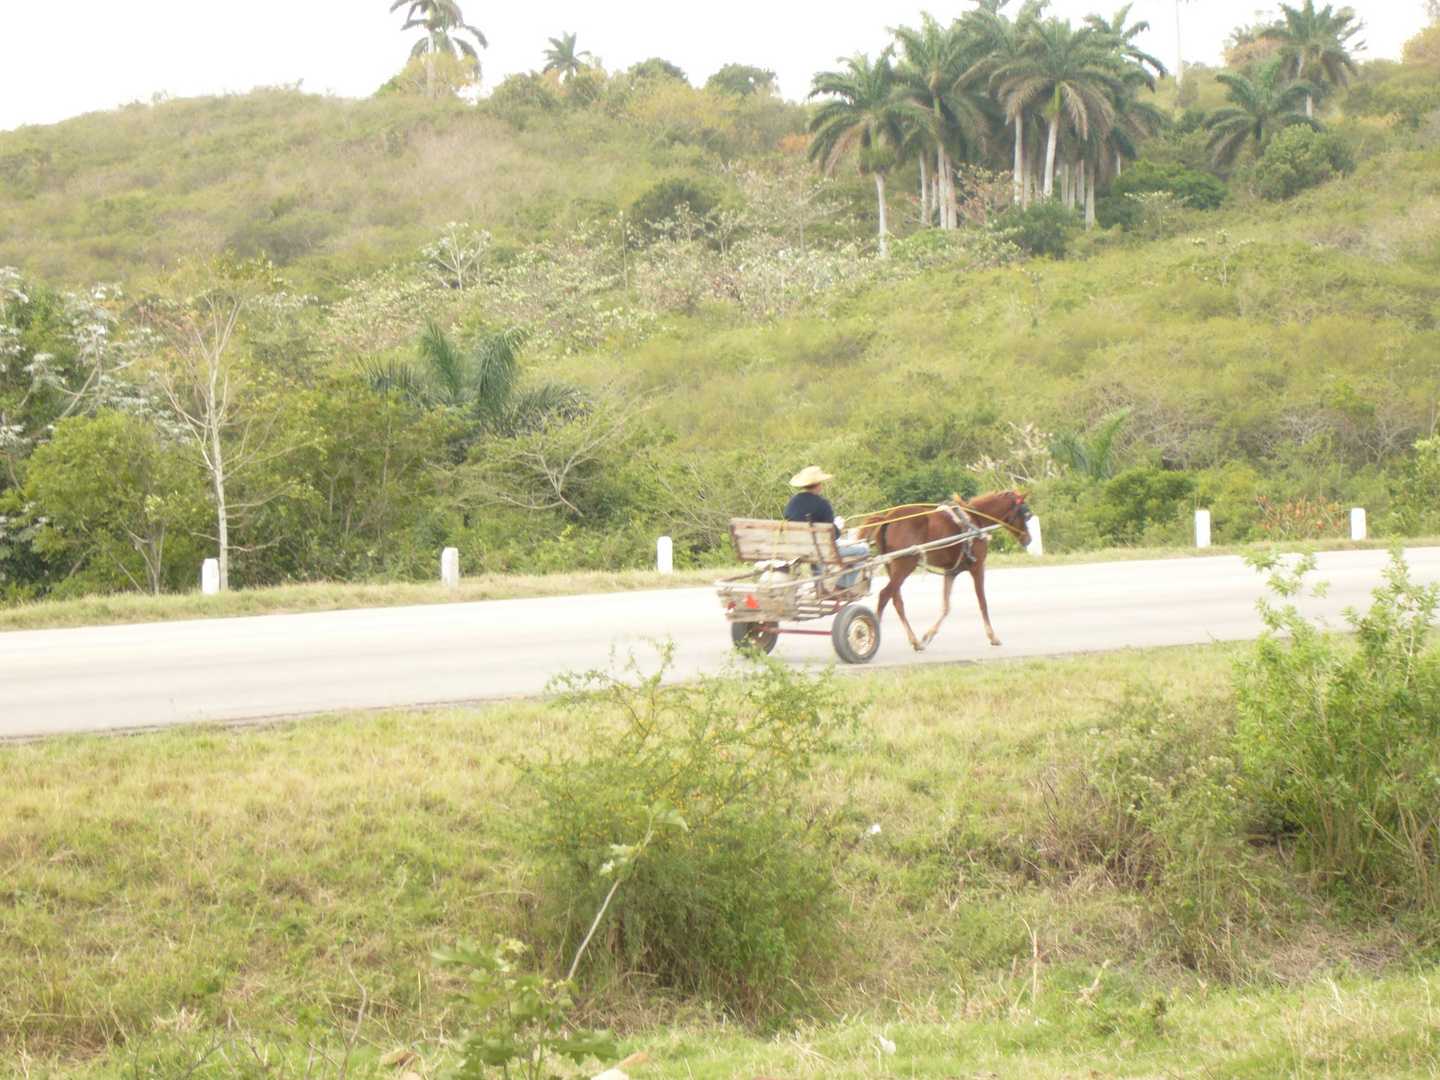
[{"x": 688, "y": 312}]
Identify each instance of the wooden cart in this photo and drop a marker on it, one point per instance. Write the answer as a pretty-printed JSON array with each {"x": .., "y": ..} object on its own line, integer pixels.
[{"x": 799, "y": 575}]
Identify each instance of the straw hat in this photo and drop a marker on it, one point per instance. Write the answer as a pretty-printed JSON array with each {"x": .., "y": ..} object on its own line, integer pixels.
[{"x": 810, "y": 474}]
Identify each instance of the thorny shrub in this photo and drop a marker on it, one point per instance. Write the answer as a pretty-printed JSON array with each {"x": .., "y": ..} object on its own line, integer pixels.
[
  {"x": 738, "y": 906},
  {"x": 1343, "y": 738}
]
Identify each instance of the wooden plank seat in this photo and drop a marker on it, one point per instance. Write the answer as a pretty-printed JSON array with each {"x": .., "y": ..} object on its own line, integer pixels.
[{"x": 757, "y": 540}]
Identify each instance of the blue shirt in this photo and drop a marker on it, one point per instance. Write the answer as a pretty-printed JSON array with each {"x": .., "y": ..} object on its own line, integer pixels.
[{"x": 811, "y": 507}]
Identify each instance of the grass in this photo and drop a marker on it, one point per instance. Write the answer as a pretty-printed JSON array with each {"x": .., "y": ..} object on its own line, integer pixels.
[
  {"x": 164, "y": 890},
  {"x": 120, "y": 608}
]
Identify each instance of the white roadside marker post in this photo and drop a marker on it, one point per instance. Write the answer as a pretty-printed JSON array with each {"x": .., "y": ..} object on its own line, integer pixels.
[
  {"x": 210, "y": 577},
  {"x": 1036, "y": 546},
  {"x": 1202, "y": 528},
  {"x": 665, "y": 555},
  {"x": 1357, "y": 523},
  {"x": 449, "y": 568}
]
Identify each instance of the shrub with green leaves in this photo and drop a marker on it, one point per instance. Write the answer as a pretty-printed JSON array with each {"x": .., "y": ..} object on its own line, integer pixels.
[
  {"x": 1343, "y": 738},
  {"x": 1197, "y": 190},
  {"x": 1415, "y": 493},
  {"x": 737, "y": 906},
  {"x": 1299, "y": 158},
  {"x": 1045, "y": 227}
]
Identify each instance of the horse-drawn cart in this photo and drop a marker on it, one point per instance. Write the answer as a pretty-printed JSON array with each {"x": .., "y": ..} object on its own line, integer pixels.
[{"x": 800, "y": 575}]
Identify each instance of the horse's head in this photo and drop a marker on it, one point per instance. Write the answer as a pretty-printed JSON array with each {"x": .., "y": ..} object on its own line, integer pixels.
[{"x": 1006, "y": 508}]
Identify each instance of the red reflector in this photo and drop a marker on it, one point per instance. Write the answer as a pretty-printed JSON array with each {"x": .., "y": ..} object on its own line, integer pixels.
[
  {"x": 730, "y": 606},
  {"x": 751, "y": 602}
]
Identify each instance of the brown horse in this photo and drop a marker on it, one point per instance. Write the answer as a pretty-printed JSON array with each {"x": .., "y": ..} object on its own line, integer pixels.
[{"x": 907, "y": 526}]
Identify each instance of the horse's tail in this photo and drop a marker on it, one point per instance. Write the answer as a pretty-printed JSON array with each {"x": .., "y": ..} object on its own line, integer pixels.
[{"x": 874, "y": 531}]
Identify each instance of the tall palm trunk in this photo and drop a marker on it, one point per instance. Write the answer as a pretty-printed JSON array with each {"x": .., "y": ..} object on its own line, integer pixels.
[
  {"x": 429, "y": 93},
  {"x": 1089, "y": 175},
  {"x": 884, "y": 230},
  {"x": 1019, "y": 167},
  {"x": 924, "y": 193},
  {"x": 1050, "y": 156},
  {"x": 1309, "y": 107},
  {"x": 1179, "y": 53}
]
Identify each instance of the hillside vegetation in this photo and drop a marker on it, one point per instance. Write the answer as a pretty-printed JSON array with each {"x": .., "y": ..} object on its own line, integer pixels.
[{"x": 599, "y": 307}]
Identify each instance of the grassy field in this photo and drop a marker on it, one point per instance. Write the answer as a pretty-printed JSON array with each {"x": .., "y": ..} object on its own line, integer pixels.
[
  {"x": 119, "y": 608},
  {"x": 231, "y": 891}
]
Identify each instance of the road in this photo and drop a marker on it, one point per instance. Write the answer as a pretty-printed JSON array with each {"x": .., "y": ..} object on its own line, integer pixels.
[{"x": 141, "y": 676}]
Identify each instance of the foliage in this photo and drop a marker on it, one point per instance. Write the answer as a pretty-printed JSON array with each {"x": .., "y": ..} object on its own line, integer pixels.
[
  {"x": 118, "y": 506},
  {"x": 738, "y": 905},
  {"x": 1141, "y": 498},
  {"x": 742, "y": 80},
  {"x": 1259, "y": 108},
  {"x": 1300, "y": 158},
  {"x": 663, "y": 201},
  {"x": 1300, "y": 519},
  {"x": 1093, "y": 456},
  {"x": 524, "y": 1014},
  {"x": 1415, "y": 493},
  {"x": 1343, "y": 739},
  {"x": 1197, "y": 190},
  {"x": 1157, "y": 803},
  {"x": 1045, "y": 228}
]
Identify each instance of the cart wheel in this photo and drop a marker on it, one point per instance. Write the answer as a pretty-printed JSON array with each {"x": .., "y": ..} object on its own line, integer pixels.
[
  {"x": 752, "y": 635},
  {"x": 856, "y": 634}
]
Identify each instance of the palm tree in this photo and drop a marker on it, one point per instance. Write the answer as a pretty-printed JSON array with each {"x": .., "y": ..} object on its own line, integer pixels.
[
  {"x": 1313, "y": 46},
  {"x": 479, "y": 379},
  {"x": 937, "y": 76},
  {"x": 1259, "y": 107},
  {"x": 1135, "y": 119},
  {"x": 1074, "y": 74},
  {"x": 563, "y": 59},
  {"x": 441, "y": 20},
  {"x": 866, "y": 116},
  {"x": 1002, "y": 44}
]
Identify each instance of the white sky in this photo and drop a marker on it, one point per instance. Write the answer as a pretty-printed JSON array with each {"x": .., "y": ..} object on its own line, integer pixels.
[{"x": 60, "y": 59}]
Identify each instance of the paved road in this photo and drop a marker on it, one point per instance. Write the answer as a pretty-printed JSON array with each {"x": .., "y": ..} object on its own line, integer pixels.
[{"x": 126, "y": 677}]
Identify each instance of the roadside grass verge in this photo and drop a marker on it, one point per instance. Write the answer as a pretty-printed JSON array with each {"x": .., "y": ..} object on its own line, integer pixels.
[
  {"x": 120, "y": 608},
  {"x": 160, "y": 892}
]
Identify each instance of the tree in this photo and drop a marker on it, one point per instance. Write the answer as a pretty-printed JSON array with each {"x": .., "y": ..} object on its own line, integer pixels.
[
  {"x": 864, "y": 116},
  {"x": 937, "y": 75},
  {"x": 742, "y": 80},
  {"x": 656, "y": 70},
  {"x": 213, "y": 394},
  {"x": 442, "y": 22},
  {"x": 479, "y": 379},
  {"x": 1259, "y": 107},
  {"x": 1075, "y": 73},
  {"x": 1314, "y": 47},
  {"x": 562, "y": 58},
  {"x": 115, "y": 496}
]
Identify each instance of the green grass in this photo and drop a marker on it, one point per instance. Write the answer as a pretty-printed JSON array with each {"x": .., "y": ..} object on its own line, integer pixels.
[{"x": 161, "y": 890}]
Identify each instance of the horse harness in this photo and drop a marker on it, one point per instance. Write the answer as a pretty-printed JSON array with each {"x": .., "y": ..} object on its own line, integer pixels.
[{"x": 965, "y": 523}]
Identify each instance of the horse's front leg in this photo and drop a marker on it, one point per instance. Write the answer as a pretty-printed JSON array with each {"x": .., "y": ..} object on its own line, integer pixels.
[
  {"x": 944, "y": 608},
  {"x": 900, "y": 569},
  {"x": 977, "y": 574}
]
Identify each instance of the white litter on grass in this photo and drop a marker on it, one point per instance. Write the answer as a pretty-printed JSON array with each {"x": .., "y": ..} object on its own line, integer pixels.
[
  {"x": 885, "y": 1044},
  {"x": 875, "y": 829}
]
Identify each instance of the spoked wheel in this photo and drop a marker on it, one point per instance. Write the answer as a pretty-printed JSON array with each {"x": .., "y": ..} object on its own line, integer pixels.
[
  {"x": 856, "y": 634},
  {"x": 753, "y": 635}
]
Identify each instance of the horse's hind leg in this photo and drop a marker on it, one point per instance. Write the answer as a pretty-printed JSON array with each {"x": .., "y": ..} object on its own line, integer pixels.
[
  {"x": 944, "y": 609},
  {"x": 977, "y": 574}
]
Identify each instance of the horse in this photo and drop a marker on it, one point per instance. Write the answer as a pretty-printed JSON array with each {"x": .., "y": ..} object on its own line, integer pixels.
[{"x": 906, "y": 526}]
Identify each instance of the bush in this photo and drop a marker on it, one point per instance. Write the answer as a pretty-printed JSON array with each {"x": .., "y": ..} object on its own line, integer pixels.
[
  {"x": 1139, "y": 499},
  {"x": 734, "y": 907},
  {"x": 1343, "y": 739},
  {"x": 1415, "y": 494},
  {"x": 1045, "y": 227},
  {"x": 1155, "y": 805},
  {"x": 1198, "y": 190},
  {"x": 663, "y": 200},
  {"x": 1299, "y": 158}
]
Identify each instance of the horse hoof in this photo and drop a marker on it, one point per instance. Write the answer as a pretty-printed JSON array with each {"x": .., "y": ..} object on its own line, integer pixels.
[{"x": 995, "y": 643}]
